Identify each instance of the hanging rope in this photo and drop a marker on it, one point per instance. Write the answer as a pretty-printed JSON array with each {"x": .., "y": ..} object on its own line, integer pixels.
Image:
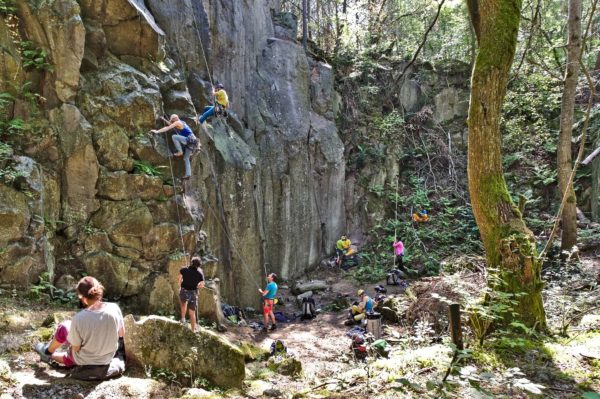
[
  {"x": 396, "y": 221},
  {"x": 175, "y": 192}
]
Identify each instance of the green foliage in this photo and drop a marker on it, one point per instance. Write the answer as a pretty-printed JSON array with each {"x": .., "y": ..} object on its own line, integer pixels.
[
  {"x": 146, "y": 168},
  {"x": 34, "y": 57},
  {"x": 7, "y": 6},
  {"x": 44, "y": 289}
]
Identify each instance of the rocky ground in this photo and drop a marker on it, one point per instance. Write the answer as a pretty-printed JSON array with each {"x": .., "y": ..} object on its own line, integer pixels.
[{"x": 558, "y": 367}]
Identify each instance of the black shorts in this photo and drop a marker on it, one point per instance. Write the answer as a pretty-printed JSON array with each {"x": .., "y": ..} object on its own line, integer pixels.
[{"x": 189, "y": 296}]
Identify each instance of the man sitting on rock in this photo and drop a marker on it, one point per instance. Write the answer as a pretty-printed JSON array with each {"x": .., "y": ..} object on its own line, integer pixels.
[
  {"x": 360, "y": 310},
  {"x": 190, "y": 279},
  {"x": 92, "y": 336}
]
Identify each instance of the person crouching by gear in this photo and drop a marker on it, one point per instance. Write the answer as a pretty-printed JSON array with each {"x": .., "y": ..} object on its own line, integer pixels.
[
  {"x": 365, "y": 305},
  {"x": 184, "y": 137},
  {"x": 92, "y": 335},
  {"x": 221, "y": 104},
  {"x": 341, "y": 248},
  {"x": 268, "y": 295},
  {"x": 190, "y": 279}
]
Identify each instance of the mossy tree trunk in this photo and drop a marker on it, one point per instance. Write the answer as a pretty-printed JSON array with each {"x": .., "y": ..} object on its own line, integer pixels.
[
  {"x": 509, "y": 244},
  {"x": 564, "y": 152}
]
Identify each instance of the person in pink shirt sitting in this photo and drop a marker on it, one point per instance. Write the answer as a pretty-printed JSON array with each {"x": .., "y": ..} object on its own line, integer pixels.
[{"x": 399, "y": 252}]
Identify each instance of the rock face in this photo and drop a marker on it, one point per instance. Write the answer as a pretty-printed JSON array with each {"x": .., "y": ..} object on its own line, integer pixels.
[{"x": 162, "y": 343}]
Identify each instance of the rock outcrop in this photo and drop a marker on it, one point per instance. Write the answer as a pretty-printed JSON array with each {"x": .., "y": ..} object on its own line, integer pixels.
[{"x": 163, "y": 343}]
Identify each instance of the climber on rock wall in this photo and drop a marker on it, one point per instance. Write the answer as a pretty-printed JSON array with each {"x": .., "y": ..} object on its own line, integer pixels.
[
  {"x": 184, "y": 137},
  {"x": 220, "y": 106}
]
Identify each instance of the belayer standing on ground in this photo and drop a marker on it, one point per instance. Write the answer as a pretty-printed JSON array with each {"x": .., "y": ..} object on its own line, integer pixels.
[
  {"x": 190, "y": 279},
  {"x": 184, "y": 137},
  {"x": 220, "y": 106},
  {"x": 399, "y": 253},
  {"x": 341, "y": 248},
  {"x": 268, "y": 295},
  {"x": 92, "y": 335}
]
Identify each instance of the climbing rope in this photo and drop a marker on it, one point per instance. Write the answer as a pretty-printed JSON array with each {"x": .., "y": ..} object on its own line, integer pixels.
[
  {"x": 396, "y": 221},
  {"x": 175, "y": 192}
]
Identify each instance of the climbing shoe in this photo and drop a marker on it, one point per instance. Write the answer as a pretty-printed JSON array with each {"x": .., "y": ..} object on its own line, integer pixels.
[
  {"x": 42, "y": 350},
  {"x": 273, "y": 327}
]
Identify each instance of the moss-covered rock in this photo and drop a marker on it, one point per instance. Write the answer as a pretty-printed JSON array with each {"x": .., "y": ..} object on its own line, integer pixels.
[
  {"x": 163, "y": 343},
  {"x": 252, "y": 352},
  {"x": 286, "y": 365}
]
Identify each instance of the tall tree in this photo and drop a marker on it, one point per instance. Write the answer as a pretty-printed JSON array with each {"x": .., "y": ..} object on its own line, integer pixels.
[
  {"x": 509, "y": 245},
  {"x": 564, "y": 157}
]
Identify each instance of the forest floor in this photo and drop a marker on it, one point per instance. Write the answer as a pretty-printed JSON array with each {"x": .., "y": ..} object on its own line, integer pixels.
[{"x": 508, "y": 365}]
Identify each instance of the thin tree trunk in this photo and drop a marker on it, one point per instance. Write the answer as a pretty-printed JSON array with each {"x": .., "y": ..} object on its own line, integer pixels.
[
  {"x": 304, "y": 22},
  {"x": 564, "y": 151},
  {"x": 509, "y": 245}
]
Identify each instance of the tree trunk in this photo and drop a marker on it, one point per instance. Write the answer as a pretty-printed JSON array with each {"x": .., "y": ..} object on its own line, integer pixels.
[
  {"x": 304, "y": 22},
  {"x": 564, "y": 157},
  {"x": 509, "y": 244}
]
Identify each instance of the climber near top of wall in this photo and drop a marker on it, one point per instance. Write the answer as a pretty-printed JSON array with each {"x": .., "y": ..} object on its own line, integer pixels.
[
  {"x": 184, "y": 136},
  {"x": 220, "y": 106}
]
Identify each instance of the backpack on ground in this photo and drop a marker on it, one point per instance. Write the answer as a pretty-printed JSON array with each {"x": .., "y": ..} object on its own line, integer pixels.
[
  {"x": 308, "y": 309},
  {"x": 278, "y": 348},
  {"x": 392, "y": 279}
]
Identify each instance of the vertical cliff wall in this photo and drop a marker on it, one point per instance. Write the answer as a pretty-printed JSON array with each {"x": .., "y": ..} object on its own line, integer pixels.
[{"x": 267, "y": 189}]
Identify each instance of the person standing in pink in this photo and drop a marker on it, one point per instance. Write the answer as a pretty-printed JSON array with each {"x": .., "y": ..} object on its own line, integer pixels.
[{"x": 399, "y": 252}]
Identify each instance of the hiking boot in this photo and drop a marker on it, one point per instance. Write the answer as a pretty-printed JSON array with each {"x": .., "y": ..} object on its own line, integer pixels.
[
  {"x": 42, "y": 350},
  {"x": 273, "y": 327}
]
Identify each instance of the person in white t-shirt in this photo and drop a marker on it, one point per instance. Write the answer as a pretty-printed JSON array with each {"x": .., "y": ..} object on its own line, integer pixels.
[{"x": 92, "y": 336}]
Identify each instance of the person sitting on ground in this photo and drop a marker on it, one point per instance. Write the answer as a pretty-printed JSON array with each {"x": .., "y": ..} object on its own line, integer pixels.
[
  {"x": 268, "y": 295},
  {"x": 342, "y": 247},
  {"x": 221, "y": 103},
  {"x": 191, "y": 278},
  {"x": 358, "y": 312},
  {"x": 421, "y": 216},
  {"x": 184, "y": 137},
  {"x": 92, "y": 336}
]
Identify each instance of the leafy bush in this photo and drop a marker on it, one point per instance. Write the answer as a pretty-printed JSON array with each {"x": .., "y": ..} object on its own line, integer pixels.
[
  {"x": 146, "y": 168},
  {"x": 34, "y": 58}
]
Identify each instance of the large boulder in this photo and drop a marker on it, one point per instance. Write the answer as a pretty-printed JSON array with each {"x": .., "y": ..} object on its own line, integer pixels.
[
  {"x": 411, "y": 96},
  {"x": 209, "y": 302},
  {"x": 112, "y": 271},
  {"x": 12, "y": 74},
  {"x": 161, "y": 296},
  {"x": 126, "y": 222},
  {"x": 57, "y": 26},
  {"x": 129, "y": 27},
  {"x": 159, "y": 342},
  {"x": 80, "y": 167},
  {"x": 313, "y": 285},
  {"x": 121, "y": 185},
  {"x": 14, "y": 215},
  {"x": 450, "y": 103},
  {"x": 112, "y": 145},
  {"x": 119, "y": 94}
]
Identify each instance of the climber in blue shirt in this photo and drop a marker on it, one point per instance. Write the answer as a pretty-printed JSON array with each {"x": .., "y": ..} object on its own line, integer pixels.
[
  {"x": 269, "y": 301},
  {"x": 184, "y": 136}
]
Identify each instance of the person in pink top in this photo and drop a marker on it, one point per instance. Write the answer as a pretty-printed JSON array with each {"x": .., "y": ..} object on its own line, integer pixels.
[{"x": 399, "y": 252}]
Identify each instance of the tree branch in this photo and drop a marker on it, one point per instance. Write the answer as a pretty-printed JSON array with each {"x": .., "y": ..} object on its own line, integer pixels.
[{"x": 437, "y": 14}]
